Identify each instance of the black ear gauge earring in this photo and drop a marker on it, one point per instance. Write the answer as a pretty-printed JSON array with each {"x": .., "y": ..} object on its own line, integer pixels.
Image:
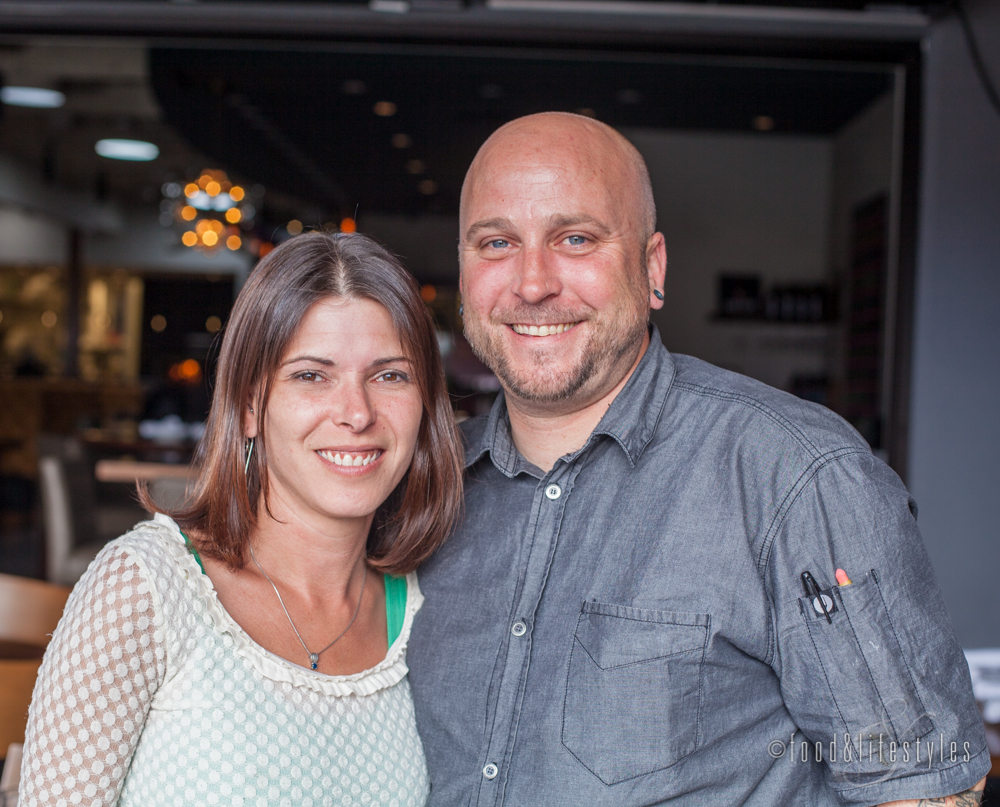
[{"x": 658, "y": 294}]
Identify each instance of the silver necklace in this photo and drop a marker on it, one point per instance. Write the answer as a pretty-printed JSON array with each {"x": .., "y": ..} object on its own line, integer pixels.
[{"x": 313, "y": 657}]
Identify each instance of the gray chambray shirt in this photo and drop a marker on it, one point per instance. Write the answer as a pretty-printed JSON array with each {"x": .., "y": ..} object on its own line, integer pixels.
[{"x": 631, "y": 628}]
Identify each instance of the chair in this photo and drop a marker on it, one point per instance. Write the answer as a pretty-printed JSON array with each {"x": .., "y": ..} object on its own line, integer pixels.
[
  {"x": 68, "y": 516},
  {"x": 29, "y": 612}
]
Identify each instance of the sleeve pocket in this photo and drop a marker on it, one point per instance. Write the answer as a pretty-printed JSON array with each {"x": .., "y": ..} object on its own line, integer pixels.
[
  {"x": 633, "y": 691},
  {"x": 864, "y": 665}
]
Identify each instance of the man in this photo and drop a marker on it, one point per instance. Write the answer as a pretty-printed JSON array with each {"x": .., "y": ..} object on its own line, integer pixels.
[{"x": 672, "y": 584}]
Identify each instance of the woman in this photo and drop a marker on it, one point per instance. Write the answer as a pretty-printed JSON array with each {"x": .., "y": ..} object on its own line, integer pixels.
[{"x": 248, "y": 648}]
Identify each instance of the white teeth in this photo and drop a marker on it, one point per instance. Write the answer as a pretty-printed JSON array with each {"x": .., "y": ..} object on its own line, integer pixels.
[
  {"x": 542, "y": 330},
  {"x": 347, "y": 459}
]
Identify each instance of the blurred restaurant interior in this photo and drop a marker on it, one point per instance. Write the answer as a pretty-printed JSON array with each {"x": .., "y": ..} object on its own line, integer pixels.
[{"x": 147, "y": 162}]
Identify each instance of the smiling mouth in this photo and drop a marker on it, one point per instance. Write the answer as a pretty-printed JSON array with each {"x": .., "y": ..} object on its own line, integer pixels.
[
  {"x": 542, "y": 330},
  {"x": 353, "y": 459}
]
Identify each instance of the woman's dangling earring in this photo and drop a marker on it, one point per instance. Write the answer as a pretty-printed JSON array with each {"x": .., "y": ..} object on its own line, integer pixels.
[{"x": 246, "y": 466}]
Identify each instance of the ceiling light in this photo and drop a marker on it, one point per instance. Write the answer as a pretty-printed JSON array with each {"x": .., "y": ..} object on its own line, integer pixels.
[
  {"x": 385, "y": 109},
  {"x": 132, "y": 150},
  {"x": 763, "y": 123},
  {"x": 37, "y": 97},
  {"x": 401, "y": 141}
]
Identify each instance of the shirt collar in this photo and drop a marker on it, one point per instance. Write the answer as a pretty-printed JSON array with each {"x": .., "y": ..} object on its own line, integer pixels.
[{"x": 630, "y": 420}]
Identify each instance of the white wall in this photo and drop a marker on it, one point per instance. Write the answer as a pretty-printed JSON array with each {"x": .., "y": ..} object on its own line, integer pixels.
[
  {"x": 954, "y": 470},
  {"x": 31, "y": 239},
  {"x": 740, "y": 204}
]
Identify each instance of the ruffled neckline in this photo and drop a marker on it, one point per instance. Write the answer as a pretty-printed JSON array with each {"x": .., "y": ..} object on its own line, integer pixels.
[{"x": 387, "y": 673}]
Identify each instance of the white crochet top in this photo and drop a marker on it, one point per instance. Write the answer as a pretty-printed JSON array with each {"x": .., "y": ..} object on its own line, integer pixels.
[{"x": 150, "y": 694}]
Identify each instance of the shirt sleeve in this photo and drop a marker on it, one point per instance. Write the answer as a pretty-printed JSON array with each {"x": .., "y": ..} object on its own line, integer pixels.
[
  {"x": 879, "y": 683},
  {"x": 93, "y": 692}
]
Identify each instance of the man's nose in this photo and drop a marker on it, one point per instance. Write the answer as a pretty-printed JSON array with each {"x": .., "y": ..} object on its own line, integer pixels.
[
  {"x": 352, "y": 406},
  {"x": 537, "y": 278}
]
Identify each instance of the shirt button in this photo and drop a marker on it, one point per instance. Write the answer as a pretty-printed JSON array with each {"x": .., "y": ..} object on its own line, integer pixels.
[
  {"x": 519, "y": 628},
  {"x": 553, "y": 492},
  {"x": 491, "y": 771}
]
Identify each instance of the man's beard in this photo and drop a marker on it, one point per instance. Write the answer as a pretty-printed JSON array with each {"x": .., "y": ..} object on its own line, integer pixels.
[{"x": 543, "y": 379}]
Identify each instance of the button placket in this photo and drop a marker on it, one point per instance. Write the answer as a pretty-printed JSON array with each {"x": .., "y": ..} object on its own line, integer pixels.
[{"x": 499, "y": 747}]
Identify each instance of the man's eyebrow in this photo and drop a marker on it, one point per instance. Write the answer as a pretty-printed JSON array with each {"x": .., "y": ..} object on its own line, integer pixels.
[
  {"x": 488, "y": 224},
  {"x": 573, "y": 221}
]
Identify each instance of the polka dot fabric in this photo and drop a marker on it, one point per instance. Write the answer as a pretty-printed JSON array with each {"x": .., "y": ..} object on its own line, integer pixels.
[{"x": 150, "y": 694}]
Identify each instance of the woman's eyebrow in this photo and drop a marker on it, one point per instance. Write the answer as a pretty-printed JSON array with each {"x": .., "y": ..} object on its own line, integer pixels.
[
  {"x": 314, "y": 359},
  {"x": 389, "y": 360}
]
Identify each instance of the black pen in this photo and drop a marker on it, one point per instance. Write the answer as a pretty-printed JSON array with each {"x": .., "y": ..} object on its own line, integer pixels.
[{"x": 813, "y": 590}]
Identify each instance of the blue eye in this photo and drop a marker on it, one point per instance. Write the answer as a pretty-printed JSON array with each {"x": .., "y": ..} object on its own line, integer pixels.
[
  {"x": 498, "y": 243},
  {"x": 576, "y": 240}
]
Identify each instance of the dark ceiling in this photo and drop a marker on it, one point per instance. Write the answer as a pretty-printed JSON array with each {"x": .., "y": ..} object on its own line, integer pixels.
[{"x": 304, "y": 122}]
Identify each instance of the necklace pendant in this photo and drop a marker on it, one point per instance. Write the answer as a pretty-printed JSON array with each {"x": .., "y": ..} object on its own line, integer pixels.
[{"x": 314, "y": 660}]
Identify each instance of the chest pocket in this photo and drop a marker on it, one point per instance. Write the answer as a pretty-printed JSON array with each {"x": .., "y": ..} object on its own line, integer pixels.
[{"x": 633, "y": 690}]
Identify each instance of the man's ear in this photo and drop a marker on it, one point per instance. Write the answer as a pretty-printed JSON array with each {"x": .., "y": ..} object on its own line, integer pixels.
[{"x": 656, "y": 268}]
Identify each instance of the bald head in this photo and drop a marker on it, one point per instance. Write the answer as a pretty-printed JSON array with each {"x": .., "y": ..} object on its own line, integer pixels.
[{"x": 594, "y": 151}]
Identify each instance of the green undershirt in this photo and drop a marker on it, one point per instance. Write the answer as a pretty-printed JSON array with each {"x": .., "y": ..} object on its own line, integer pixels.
[{"x": 395, "y": 597}]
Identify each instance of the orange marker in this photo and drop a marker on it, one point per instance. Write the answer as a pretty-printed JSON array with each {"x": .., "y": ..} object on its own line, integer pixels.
[{"x": 842, "y": 578}]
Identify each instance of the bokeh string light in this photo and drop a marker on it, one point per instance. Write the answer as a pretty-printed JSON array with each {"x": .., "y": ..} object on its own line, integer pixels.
[{"x": 211, "y": 212}]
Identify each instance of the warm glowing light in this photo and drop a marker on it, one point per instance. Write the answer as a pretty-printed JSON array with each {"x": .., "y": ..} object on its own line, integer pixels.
[
  {"x": 348, "y": 225},
  {"x": 191, "y": 190},
  {"x": 384, "y": 109},
  {"x": 158, "y": 323},
  {"x": 236, "y": 193},
  {"x": 428, "y": 293},
  {"x": 210, "y": 239},
  {"x": 186, "y": 372},
  {"x": 216, "y": 226},
  {"x": 189, "y": 239},
  {"x": 188, "y": 213},
  {"x": 213, "y": 324},
  {"x": 427, "y": 187},
  {"x": 763, "y": 123},
  {"x": 49, "y": 319},
  {"x": 294, "y": 227},
  {"x": 213, "y": 188},
  {"x": 202, "y": 227},
  {"x": 233, "y": 215},
  {"x": 401, "y": 141},
  {"x": 265, "y": 247},
  {"x": 203, "y": 181},
  {"x": 234, "y": 242}
]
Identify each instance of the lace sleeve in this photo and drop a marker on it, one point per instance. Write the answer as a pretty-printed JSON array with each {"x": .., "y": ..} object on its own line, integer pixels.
[{"x": 105, "y": 661}]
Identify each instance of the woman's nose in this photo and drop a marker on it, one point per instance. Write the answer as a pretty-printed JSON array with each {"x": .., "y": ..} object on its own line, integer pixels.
[{"x": 352, "y": 406}]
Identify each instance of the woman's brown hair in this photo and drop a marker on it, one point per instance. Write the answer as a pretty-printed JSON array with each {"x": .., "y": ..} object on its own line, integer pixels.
[{"x": 223, "y": 503}]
